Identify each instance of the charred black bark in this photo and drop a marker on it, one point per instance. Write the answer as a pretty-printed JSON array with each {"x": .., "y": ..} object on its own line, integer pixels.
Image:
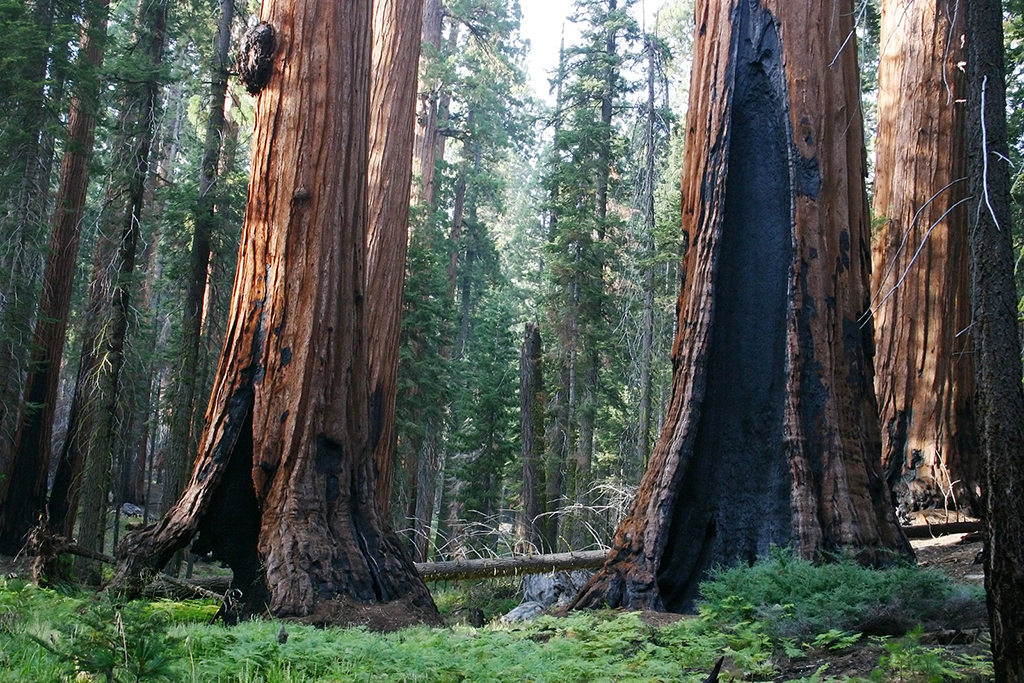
[
  {"x": 229, "y": 531},
  {"x": 771, "y": 436},
  {"x": 997, "y": 337},
  {"x": 254, "y": 63},
  {"x": 720, "y": 517}
]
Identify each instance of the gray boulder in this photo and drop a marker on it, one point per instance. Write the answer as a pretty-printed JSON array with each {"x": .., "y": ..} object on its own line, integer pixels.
[
  {"x": 528, "y": 611},
  {"x": 542, "y": 592}
]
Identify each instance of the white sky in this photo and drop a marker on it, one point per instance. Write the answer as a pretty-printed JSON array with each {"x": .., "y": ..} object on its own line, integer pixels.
[{"x": 542, "y": 25}]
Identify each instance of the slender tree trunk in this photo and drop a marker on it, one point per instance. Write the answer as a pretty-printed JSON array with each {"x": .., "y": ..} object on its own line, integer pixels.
[
  {"x": 925, "y": 373},
  {"x": 605, "y": 131},
  {"x": 26, "y": 496},
  {"x": 458, "y": 216},
  {"x": 19, "y": 222},
  {"x": 558, "y": 438},
  {"x": 996, "y": 336},
  {"x": 396, "y": 50},
  {"x": 425, "y": 507},
  {"x": 531, "y": 415},
  {"x": 643, "y": 444},
  {"x": 425, "y": 146},
  {"x": 772, "y": 434},
  {"x": 179, "y": 454},
  {"x": 590, "y": 329},
  {"x": 284, "y": 487},
  {"x": 466, "y": 293}
]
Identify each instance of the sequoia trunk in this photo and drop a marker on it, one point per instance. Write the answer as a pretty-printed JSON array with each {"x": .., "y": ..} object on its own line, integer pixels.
[
  {"x": 396, "y": 49},
  {"x": 283, "y": 488},
  {"x": 925, "y": 378},
  {"x": 771, "y": 436}
]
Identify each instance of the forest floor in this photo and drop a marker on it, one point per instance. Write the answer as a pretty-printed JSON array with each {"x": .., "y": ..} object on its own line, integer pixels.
[
  {"x": 960, "y": 636},
  {"x": 964, "y": 636}
]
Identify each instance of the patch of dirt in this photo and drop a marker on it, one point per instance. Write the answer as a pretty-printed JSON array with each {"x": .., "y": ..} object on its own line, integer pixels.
[
  {"x": 956, "y": 555},
  {"x": 855, "y": 662},
  {"x": 379, "y": 617},
  {"x": 963, "y": 635},
  {"x": 659, "y": 619}
]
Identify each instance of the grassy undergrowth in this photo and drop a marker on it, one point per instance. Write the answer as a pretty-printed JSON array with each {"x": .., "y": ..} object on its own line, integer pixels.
[{"x": 759, "y": 619}]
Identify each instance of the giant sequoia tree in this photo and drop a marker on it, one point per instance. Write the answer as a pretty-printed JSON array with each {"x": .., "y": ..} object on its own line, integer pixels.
[
  {"x": 925, "y": 379},
  {"x": 771, "y": 436},
  {"x": 283, "y": 488}
]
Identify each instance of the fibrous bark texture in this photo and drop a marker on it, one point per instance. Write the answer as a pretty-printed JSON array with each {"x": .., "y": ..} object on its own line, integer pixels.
[
  {"x": 283, "y": 488},
  {"x": 771, "y": 436},
  {"x": 396, "y": 51},
  {"x": 996, "y": 336},
  {"x": 925, "y": 372},
  {"x": 430, "y": 102}
]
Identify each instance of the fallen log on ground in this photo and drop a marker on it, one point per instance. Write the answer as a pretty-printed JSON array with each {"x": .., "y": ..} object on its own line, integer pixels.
[
  {"x": 457, "y": 570},
  {"x": 933, "y": 530},
  {"x": 214, "y": 587},
  {"x": 453, "y": 570},
  {"x": 164, "y": 585}
]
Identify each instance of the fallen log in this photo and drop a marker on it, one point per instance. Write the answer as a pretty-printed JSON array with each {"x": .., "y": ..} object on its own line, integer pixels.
[
  {"x": 933, "y": 530},
  {"x": 163, "y": 585},
  {"x": 457, "y": 570},
  {"x": 453, "y": 570}
]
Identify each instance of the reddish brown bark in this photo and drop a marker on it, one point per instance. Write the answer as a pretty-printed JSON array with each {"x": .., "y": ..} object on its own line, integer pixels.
[
  {"x": 425, "y": 148},
  {"x": 925, "y": 373},
  {"x": 283, "y": 488},
  {"x": 772, "y": 436},
  {"x": 396, "y": 49}
]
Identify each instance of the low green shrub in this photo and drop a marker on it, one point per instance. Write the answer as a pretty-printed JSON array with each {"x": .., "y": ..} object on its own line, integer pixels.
[
  {"x": 799, "y": 600},
  {"x": 483, "y": 599}
]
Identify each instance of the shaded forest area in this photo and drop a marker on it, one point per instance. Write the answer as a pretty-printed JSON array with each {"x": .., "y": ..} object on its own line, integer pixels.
[
  {"x": 456, "y": 328},
  {"x": 503, "y": 230}
]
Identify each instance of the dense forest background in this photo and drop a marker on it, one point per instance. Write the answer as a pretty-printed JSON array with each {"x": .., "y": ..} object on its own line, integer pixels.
[{"x": 541, "y": 279}]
